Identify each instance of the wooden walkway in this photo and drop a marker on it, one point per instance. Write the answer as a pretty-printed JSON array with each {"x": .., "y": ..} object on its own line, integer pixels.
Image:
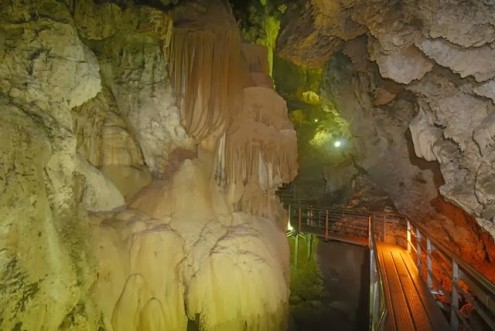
[{"x": 409, "y": 303}]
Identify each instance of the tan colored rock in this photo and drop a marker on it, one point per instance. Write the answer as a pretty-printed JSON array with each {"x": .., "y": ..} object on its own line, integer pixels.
[
  {"x": 143, "y": 95},
  {"x": 485, "y": 133},
  {"x": 129, "y": 180},
  {"x": 316, "y": 31},
  {"x": 103, "y": 135},
  {"x": 424, "y": 135},
  {"x": 486, "y": 89},
  {"x": 465, "y": 24},
  {"x": 383, "y": 96},
  {"x": 99, "y": 193},
  {"x": 132, "y": 280},
  {"x": 49, "y": 57},
  {"x": 458, "y": 59},
  {"x": 402, "y": 66},
  {"x": 40, "y": 239},
  {"x": 355, "y": 49},
  {"x": 97, "y": 22},
  {"x": 392, "y": 25},
  {"x": 259, "y": 150},
  {"x": 205, "y": 56},
  {"x": 461, "y": 143}
]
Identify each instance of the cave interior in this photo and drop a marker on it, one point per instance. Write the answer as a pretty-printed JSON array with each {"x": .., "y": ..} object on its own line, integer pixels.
[{"x": 150, "y": 149}]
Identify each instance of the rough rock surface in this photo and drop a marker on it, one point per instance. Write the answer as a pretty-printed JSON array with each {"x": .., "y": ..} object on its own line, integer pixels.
[
  {"x": 316, "y": 31},
  {"x": 442, "y": 53},
  {"x": 98, "y": 176},
  {"x": 44, "y": 266}
]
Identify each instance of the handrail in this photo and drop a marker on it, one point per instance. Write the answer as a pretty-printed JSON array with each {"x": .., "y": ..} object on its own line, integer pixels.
[
  {"x": 482, "y": 297},
  {"x": 378, "y": 301},
  {"x": 331, "y": 224},
  {"x": 480, "y": 294},
  {"x": 319, "y": 218}
]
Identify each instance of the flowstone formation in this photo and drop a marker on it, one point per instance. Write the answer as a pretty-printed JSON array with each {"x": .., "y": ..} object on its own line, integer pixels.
[
  {"x": 414, "y": 80},
  {"x": 142, "y": 148}
]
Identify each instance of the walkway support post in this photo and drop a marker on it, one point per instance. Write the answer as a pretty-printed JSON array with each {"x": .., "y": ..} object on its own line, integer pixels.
[
  {"x": 296, "y": 250},
  {"x": 454, "y": 297},
  {"x": 429, "y": 250},
  {"x": 418, "y": 249},
  {"x": 288, "y": 219},
  {"x": 408, "y": 236}
]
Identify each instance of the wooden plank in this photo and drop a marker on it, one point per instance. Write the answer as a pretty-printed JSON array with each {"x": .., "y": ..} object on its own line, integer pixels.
[
  {"x": 398, "y": 302},
  {"x": 437, "y": 319},
  {"x": 418, "y": 312},
  {"x": 390, "y": 322}
]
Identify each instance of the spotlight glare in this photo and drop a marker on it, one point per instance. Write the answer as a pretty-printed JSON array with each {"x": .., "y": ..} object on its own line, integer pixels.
[{"x": 337, "y": 143}]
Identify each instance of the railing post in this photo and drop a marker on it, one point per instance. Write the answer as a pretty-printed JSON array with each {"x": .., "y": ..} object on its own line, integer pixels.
[
  {"x": 454, "y": 297},
  {"x": 288, "y": 220},
  {"x": 372, "y": 285},
  {"x": 369, "y": 232},
  {"x": 326, "y": 224},
  {"x": 296, "y": 250},
  {"x": 429, "y": 250},
  {"x": 299, "y": 221},
  {"x": 408, "y": 236},
  {"x": 418, "y": 250}
]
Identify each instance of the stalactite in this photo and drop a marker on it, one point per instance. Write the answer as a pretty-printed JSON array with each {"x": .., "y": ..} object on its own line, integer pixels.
[
  {"x": 260, "y": 150},
  {"x": 206, "y": 72}
]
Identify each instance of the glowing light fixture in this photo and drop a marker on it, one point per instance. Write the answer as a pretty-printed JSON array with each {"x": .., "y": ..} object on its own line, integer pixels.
[
  {"x": 337, "y": 143},
  {"x": 316, "y": 120}
]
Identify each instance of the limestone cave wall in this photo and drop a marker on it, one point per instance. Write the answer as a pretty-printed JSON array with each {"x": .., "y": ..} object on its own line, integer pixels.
[
  {"x": 414, "y": 79},
  {"x": 138, "y": 171}
]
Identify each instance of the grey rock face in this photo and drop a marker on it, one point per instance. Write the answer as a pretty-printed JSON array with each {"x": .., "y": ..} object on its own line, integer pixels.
[{"x": 441, "y": 52}]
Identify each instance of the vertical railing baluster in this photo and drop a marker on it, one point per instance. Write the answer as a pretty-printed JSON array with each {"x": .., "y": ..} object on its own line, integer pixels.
[
  {"x": 372, "y": 275},
  {"x": 296, "y": 250},
  {"x": 409, "y": 236},
  {"x": 289, "y": 226},
  {"x": 418, "y": 250},
  {"x": 429, "y": 281},
  {"x": 454, "y": 297}
]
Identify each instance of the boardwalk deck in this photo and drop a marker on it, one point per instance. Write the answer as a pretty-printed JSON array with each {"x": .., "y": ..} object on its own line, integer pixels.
[{"x": 410, "y": 306}]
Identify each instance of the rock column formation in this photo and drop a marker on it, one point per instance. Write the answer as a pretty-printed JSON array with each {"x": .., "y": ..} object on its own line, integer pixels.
[{"x": 139, "y": 161}]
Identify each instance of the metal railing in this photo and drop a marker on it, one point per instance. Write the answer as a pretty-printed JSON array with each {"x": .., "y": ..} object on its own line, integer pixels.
[
  {"x": 378, "y": 301},
  {"x": 329, "y": 222},
  {"x": 467, "y": 297}
]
